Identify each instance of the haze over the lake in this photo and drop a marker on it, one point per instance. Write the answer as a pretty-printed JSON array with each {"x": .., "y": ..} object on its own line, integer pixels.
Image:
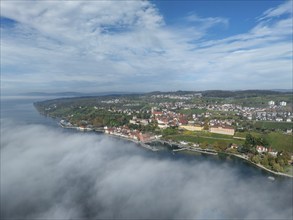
[
  {"x": 138, "y": 46},
  {"x": 59, "y": 175}
]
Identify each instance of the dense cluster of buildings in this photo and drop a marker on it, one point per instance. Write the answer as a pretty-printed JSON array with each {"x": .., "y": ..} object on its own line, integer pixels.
[
  {"x": 180, "y": 97},
  {"x": 274, "y": 111},
  {"x": 131, "y": 134},
  {"x": 166, "y": 114}
]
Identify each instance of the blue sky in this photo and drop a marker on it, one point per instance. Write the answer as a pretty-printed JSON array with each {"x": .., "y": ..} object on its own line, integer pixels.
[
  {"x": 241, "y": 15},
  {"x": 138, "y": 46}
]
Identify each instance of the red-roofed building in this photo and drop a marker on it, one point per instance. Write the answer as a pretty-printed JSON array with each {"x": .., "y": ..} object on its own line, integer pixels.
[
  {"x": 145, "y": 137},
  {"x": 261, "y": 149}
]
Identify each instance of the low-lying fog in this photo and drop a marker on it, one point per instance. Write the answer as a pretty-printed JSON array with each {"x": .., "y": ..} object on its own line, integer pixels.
[{"x": 51, "y": 174}]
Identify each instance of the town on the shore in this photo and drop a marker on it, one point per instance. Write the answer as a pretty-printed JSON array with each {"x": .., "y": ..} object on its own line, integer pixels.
[{"x": 255, "y": 126}]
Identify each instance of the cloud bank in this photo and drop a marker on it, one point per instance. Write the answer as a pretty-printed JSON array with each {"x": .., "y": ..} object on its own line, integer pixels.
[
  {"x": 61, "y": 175},
  {"x": 127, "y": 46}
]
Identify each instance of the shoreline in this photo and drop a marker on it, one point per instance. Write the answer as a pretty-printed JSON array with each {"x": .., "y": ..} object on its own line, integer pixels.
[
  {"x": 261, "y": 166},
  {"x": 236, "y": 155},
  {"x": 182, "y": 148}
]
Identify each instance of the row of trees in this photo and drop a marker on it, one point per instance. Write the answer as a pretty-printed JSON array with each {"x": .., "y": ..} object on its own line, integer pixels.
[{"x": 277, "y": 164}]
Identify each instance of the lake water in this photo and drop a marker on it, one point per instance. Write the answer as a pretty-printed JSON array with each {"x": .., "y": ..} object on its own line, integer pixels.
[
  {"x": 21, "y": 110},
  {"x": 153, "y": 184}
]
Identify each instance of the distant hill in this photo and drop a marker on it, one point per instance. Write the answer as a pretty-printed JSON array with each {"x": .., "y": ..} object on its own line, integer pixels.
[
  {"x": 241, "y": 93},
  {"x": 52, "y": 94},
  {"x": 74, "y": 94},
  {"x": 227, "y": 93},
  {"x": 207, "y": 93},
  {"x": 283, "y": 90}
]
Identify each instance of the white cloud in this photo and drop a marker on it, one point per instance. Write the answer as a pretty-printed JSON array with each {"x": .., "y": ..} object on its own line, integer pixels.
[
  {"x": 208, "y": 22},
  {"x": 126, "y": 45},
  {"x": 75, "y": 21},
  {"x": 282, "y": 9}
]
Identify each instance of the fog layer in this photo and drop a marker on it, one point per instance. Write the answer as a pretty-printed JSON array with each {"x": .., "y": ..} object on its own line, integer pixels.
[{"x": 51, "y": 174}]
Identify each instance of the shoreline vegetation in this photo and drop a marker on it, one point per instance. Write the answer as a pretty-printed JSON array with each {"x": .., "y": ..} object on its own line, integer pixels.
[
  {"x": 262, "y": 167},
  {"x": 147, "y": 145},
  {"x": 256, "y": 126}
]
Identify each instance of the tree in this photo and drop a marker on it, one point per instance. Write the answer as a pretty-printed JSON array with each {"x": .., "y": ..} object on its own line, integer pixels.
[
  {"x": 265, "y": 161},
  {"x": 248, "y": 144},
  {"x": 277, "y": 167},
  {"x": 261, "y": 141},
  {"x": 271, "y": 160},
  {"x": 255, "y": 159},
  {"x": 285, "y": 156},
  {"x": 170, "y": 131},
  {"x": 220, "y": 145},
  {"x": 250, "y": 141},
  {"x": 281, "y": 162},
  {"x": 204, "y": 145}
]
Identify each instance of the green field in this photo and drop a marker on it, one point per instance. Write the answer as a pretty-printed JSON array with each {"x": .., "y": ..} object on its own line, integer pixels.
[
  {"x": 281, "y": 141},
  {"x": 273, "y": 125},
  {"x": 277, "y": 140}
]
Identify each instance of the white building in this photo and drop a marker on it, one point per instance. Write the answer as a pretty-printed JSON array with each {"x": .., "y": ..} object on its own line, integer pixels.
[
  {"x": 283, "y": 103},
  {"x": 271, "y": 102},
  {"x": 133, "y": 122},
  {"x": 279, "y": 119},
  {"x": 273, "y": 153}
]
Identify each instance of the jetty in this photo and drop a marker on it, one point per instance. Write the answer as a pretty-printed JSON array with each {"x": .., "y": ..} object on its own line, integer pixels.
[{"x": 181, "y": 147}]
